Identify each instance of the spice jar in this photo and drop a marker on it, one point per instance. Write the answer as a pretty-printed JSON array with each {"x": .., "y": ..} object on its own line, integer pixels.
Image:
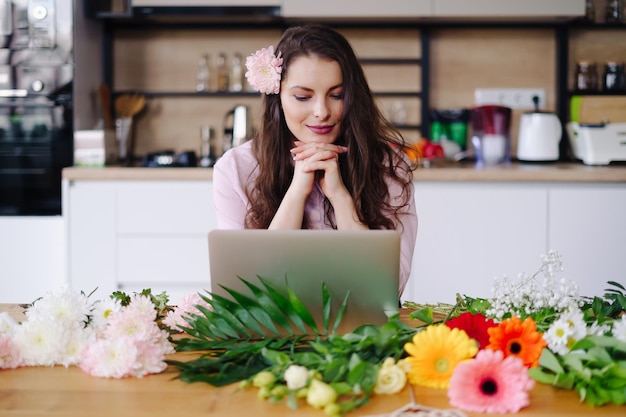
[
  {"x": 586, "y": 76},
  {"x": 614, "y": 76}
]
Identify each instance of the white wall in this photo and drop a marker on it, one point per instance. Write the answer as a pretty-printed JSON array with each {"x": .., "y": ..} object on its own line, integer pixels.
[{"x": 32, "y": 257}]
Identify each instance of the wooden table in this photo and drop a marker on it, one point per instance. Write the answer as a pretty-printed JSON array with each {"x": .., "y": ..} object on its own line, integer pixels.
[{"x": 68, "y": 392}]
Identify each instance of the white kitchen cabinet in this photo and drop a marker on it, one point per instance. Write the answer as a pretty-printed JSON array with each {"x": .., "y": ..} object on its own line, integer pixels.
[
  {"x": 137, "y": 234},
  {"x": 131, "y": 235},
  {"x": 470, "y": 233},
  {"x": 32, "y": 257},
  {"x": 587, "y": 225},
  {"x": 356, "y": 8}
]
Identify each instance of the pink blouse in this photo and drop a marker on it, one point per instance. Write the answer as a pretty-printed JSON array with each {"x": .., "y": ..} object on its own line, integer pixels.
[{"x": 236, "y": 171}]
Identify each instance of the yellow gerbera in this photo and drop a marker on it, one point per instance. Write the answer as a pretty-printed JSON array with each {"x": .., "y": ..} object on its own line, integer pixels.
[{"x": 434, "y": 354}]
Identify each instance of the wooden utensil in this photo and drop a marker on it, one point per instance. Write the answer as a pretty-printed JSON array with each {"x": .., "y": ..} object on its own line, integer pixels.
[
  {"x": 128, "y": 105},
  {"x": 104, "y": 94}
]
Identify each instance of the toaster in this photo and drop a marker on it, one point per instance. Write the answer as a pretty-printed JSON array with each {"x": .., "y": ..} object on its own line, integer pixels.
[{"x": 598, "y": 144}]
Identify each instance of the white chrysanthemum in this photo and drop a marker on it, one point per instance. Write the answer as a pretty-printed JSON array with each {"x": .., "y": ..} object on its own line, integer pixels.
[
  {"x": 619, "y": 329},
  {"x": 77, "y": 339},
  {"x": 40, "y": 342},
  {"x": 557, "y": 337},
  {"x": 64, "y": 305}
]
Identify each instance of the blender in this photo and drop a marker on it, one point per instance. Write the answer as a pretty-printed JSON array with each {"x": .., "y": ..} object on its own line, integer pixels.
[{"x": 491, "y": 134}]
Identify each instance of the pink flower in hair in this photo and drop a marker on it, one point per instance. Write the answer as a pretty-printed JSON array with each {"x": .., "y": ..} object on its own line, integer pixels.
[{"x": 264, "y": 70}]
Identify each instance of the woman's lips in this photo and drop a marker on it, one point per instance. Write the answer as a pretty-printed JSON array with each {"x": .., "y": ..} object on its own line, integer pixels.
[{"x": 321, "y": 130}]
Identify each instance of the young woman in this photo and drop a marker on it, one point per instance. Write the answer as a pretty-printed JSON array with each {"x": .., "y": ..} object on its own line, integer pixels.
[{"x": 324, "y": 157}]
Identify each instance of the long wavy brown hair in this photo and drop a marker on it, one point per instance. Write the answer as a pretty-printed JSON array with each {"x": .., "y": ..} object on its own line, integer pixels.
[{"x": 374, "y": 145}]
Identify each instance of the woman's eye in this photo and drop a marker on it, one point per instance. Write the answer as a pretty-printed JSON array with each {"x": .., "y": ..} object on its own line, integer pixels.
[
  {"x": 337, "y": 96},
  {"x": 301, "y": 97}
]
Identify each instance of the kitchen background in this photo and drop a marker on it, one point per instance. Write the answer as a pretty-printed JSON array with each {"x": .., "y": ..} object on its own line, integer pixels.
[
  {"x": 117, "y": 223},
  {"x": 161, "y": 60}
]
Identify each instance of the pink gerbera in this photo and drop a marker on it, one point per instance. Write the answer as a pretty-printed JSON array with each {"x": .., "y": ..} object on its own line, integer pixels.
[
  {"x": 264, "y": 70},
  {"x": 490, "y": 383}
]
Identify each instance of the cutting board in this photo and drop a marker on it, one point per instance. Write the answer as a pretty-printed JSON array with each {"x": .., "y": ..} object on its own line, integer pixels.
[{"x": 598, "y": 109}]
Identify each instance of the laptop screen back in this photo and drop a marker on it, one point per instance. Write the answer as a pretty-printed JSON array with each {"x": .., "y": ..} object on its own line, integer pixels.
[{"x": 366, "y": 263}]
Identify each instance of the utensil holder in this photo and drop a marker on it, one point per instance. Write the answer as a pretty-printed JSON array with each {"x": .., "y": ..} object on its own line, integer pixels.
[{"x": 123, "y": 130}]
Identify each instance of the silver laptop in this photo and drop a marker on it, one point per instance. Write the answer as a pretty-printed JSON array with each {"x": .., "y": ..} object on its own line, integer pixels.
[{"x": 366, "y": 263}]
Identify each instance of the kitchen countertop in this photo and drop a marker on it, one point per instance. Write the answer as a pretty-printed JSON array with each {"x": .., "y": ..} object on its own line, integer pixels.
[{"x": 452, "y": 172}]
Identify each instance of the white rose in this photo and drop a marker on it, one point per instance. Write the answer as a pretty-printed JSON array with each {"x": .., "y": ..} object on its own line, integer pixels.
[
  {"x": 296, "y": 377},
  {"x": 391, "y": 378},
  {"x": 320, "y": 394}
]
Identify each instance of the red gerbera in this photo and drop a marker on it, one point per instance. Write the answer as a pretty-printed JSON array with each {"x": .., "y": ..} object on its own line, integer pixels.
[
  {"x": 516, "y": 338},
  {"x": 475, "y": 325}
]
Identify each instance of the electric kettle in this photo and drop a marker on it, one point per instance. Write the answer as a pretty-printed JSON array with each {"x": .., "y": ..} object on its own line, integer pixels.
[
  {"x": 236, "y": 127},
  {"x": 539, "y": 137}
]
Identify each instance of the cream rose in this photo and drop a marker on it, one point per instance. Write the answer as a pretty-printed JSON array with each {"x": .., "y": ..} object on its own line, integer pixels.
[
  {"x": 263, "y": 379},
  {"x": 320, "y": 394},
  {"x": 391, "y": 378},
  {"x": 296, "y": 377}
]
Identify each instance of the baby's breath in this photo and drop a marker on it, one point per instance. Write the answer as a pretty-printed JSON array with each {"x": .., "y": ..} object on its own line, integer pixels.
[{"x": 542, "y": 293}]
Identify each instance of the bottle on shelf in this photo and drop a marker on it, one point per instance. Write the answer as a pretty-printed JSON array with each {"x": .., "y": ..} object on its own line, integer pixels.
[
  {"x": 590, "y": 11},
  {"x": 203, "y": 74},
  {"x": 586, "y": 76},
  {"x": 614, "y": 11},
  {"x": 222, "y": 72},
  {"x": 613, "y": 76},
  {"x": 236, "y": 73}
]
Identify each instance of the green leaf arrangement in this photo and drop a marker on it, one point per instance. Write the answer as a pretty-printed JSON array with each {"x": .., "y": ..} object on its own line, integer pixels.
[
  {"x": 270, "y": 330},
  {"x": 595, "y": 366}
]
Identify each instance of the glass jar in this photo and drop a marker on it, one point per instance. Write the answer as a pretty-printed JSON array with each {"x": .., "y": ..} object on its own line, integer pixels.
[
  {"x": 614, "y": 76},
  {"x": 202, "y": 74},
  {"x": 590, "y": 11},
  {"x": 222, "y": 72},
  {"x": 614, "y": 11},
  {"x": 586, "y": 76}
]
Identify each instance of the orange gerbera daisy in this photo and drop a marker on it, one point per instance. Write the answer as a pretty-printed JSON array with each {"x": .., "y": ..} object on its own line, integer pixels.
[{"x": 516, "y": 338}]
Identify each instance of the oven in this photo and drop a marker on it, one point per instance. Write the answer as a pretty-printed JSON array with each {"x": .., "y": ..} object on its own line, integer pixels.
[{"x": 36, "y": 112}]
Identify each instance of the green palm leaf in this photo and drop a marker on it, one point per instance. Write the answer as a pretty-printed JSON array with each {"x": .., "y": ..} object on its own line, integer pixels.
[{"x": 233, "y": 335}]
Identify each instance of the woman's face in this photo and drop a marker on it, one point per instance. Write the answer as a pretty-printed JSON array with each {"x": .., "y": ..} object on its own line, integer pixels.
[{"x": 312, "y": 99}]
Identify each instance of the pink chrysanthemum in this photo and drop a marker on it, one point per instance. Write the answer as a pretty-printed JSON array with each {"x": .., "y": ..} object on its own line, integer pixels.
[
  {"x": 264, "y": 70},
  {"x": 175, "y": 319},
  {"x": 490, "y": 383},
  {"x": 10, "y": 356}
]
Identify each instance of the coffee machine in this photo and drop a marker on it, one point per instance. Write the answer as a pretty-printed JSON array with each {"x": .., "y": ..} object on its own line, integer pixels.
[{"x": 36, "y": 111}]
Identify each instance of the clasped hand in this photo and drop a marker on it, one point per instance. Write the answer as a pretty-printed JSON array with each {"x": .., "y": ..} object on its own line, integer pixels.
[{"x": 318, "y": 159}]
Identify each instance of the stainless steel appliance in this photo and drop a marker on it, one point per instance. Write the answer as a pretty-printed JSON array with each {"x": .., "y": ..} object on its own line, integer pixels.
[
  {"x": 236, "y": 127},
  {"x": 36, "y": 112}
]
